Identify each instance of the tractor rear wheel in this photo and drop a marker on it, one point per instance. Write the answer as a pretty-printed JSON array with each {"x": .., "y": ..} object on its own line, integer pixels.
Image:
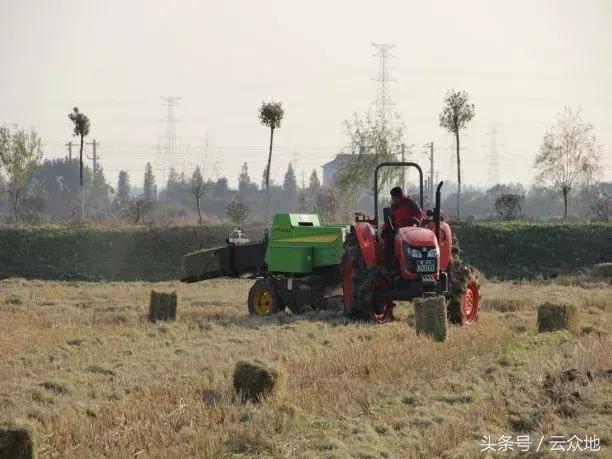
[
  {"x": 263, "y": 298},
  {"x": 464, "y": 291},
  {"x": 358, "y": 286}
]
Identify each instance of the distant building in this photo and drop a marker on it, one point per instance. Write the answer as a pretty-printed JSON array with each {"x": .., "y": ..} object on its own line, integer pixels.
[{"x": 331, "y": 169}]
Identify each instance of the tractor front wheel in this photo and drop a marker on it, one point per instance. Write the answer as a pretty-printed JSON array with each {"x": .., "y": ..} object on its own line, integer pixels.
[
  {"x": 358, "y": 286},
  {"x": 263, "y": 298},
  {"x": 464, "y": 292}
]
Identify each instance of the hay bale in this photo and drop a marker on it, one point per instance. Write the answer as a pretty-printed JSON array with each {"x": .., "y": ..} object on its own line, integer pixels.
[
  {"x": 255, "y": 380},
  {"x": 602, "y": 270},
  {"x": 430, "y": 317},
  {"x": 17, "y": 442},
  {"x": 162, "y": 306},
  {"x": 553, "y": 317}
]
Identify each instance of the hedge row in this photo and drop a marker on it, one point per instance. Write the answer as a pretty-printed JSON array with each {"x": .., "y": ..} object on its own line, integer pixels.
[
  {"x": 528, "y": 250},
  {"x": 82, "y": 253},
  {"x": 513, "y": 250}
]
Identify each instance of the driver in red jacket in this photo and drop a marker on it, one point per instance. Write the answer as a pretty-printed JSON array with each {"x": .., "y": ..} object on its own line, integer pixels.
[{"x": 404, "y": 212}]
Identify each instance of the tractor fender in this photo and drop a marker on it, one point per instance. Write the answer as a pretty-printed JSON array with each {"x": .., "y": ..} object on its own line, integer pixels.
[
  {"x": 445, "y": 243},
  {"x": 368, "y": 243}
]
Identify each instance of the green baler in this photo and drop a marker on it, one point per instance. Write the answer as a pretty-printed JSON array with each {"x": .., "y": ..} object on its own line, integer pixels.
[
  {"x": 299, "y": 244},
  {"x": 297, "y": 265}
]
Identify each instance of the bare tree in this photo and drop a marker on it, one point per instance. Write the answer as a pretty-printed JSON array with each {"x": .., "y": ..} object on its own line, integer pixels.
[
  {"x": 456, "y": 114},
  {"x": 20, "y": 158},
  {"x": 199, "y": 187},
  {"x": 237, "y": 212},
  {"x": 569, "y": 153},
  {"x": 270, "y": 115},
  {"x": 371, "y": 140},
  {"x": 81, "y": 130},
  {"x": 509, "y": 206}
]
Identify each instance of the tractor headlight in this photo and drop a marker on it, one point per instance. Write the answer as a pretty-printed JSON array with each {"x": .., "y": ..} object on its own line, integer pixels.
[
  {"x": 434, "y": 253},
  {"x": 412, "y": 253}
]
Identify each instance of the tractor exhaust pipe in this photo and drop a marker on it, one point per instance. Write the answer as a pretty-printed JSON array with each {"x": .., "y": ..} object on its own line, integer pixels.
[{"x": 437, "y": 215}]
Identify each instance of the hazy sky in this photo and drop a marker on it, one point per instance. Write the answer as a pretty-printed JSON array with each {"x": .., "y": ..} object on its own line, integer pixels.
[{"x": 521, "y": 61}]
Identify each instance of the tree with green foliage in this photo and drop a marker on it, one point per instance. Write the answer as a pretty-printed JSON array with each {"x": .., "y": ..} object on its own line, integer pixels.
[
  {"x": 457, "y": 112},
  {"x": 123, "y": 186},
  {"x": 97, "y": 198},
  {"x": 20, "y": 158},
  {"x": 177, "y": 187},
  {"x": 290, "y": 187},
  {"x": 314, "y": 184},
  {"x": 270, "y": 115},
  {"x": 371, "y": 140},
  {"x": 244, "y": 179},
  {"x": 221, "y": 188},
  {"x": 237, "y": 212},
  {"x": 569, "y": 154},
  {"x": 148, "y": 189},
  {"x": 81, "y": 129}
]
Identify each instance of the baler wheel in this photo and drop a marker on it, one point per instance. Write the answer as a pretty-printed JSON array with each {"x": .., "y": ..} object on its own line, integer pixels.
[{"x": 263, "y": 298}]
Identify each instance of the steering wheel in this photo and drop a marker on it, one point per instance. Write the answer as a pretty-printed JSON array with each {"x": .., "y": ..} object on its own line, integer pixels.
[{"x": 415, "y": 221}]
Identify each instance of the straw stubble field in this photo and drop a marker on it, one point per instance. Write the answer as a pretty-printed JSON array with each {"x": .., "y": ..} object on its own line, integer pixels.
[{"x": 81, "y": 364}]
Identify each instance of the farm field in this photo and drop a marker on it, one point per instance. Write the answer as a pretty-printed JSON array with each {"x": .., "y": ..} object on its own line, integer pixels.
[{"x": 81, "y": 364}]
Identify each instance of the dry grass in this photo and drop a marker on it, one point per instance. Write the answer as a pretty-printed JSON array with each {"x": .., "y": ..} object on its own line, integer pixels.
[{"x": 81, "y": 362}]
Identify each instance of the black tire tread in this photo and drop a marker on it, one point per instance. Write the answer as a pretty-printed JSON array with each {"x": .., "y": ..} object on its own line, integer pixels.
[{"x": 270, "y": 285}]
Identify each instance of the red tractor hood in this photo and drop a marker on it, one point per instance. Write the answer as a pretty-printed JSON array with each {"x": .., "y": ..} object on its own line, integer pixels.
[{"x": 418, "y": 237}]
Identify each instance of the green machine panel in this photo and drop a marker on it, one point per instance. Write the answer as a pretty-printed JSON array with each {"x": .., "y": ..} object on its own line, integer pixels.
[{"x": 298, "y": 243}]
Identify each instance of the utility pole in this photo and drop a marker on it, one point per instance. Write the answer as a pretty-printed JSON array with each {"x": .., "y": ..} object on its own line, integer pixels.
[
  {"x": 430, "y": 145},
  {"x": 431, "y": 171},
  {"x": 69, "y": 145},
  {"x": 95, "y": 158},
  {"x": 403, "y": 169}
]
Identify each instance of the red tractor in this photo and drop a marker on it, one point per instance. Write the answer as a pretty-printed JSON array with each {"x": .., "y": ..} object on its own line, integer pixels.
[{"x": 425, "y": 262}]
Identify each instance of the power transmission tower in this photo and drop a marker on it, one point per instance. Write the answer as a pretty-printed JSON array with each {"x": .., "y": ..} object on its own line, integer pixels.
[
  {"x": 493, "y": 156},
  {"x": 170, "y": 156},
  {"x": 383, "y": 76}
]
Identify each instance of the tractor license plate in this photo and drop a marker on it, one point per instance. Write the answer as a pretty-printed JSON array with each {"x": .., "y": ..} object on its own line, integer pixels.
[{"x": 425, "y": 266}]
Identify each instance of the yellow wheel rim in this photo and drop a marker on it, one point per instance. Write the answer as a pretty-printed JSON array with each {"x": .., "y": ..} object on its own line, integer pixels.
[{"x": 263, "y": 303}]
